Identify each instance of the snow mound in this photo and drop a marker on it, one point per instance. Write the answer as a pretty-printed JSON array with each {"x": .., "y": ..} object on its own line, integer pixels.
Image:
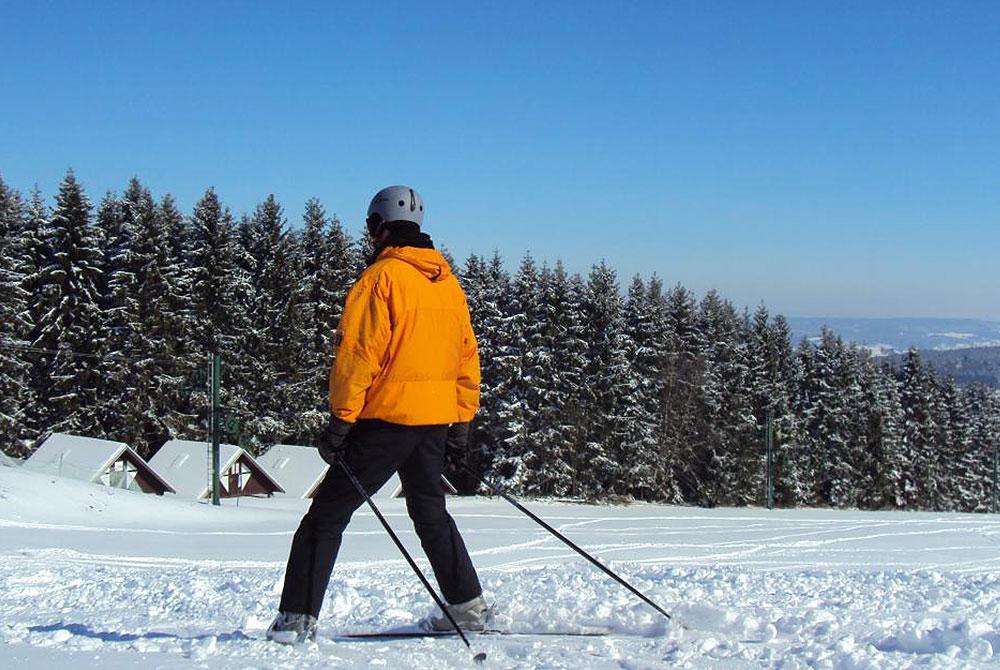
[{"x": 965, "y": 639}]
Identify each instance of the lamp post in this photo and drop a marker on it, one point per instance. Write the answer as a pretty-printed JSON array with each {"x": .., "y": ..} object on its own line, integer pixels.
[
  {"x": 215, "y": 422},
  {"x": 770, "y": 459},
  {"x": 996, "y": 466}
]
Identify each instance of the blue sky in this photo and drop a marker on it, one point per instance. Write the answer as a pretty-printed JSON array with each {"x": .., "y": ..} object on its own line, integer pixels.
[{"x": 832, "y": 159}]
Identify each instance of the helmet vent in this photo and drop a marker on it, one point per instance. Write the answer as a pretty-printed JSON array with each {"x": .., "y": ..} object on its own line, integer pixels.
[{"x": 398, "y": 203}]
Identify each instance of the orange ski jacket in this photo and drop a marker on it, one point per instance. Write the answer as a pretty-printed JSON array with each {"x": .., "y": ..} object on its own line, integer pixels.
[{"x": 406, "y": 352}]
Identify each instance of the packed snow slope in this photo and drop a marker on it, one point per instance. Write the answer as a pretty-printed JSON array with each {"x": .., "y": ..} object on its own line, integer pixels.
[{"x": 99, "y": 578}]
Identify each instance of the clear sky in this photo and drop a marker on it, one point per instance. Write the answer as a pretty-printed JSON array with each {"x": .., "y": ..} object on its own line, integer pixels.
[{"x": 827, "y": 158}]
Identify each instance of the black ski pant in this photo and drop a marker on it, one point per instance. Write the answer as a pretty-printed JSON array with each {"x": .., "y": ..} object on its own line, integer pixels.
[{"x": 376, "y": 449}]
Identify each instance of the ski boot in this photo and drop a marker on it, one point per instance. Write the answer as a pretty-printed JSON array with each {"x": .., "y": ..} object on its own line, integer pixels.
[
  {"x": 475, "y": 615},
  {"x": 292, "y": 628}
]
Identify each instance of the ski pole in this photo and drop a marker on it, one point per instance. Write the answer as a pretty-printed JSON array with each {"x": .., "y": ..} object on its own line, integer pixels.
[
  {"x": 495, "y": 488},
  {"x": 478, "y": 658}
]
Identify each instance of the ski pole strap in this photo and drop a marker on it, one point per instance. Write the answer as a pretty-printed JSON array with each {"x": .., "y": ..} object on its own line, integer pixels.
[
  {"x": 402, "y": 549},
  {"x": 495, "y": 488}
]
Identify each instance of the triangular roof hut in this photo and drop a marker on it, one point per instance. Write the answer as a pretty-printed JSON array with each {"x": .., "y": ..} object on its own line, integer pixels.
[
  {"x": 188, "y": 463},
  {"x": 299, "y": 469},
  {"x": 394, "y": 487},
  {"x": 105, "y": 462}
]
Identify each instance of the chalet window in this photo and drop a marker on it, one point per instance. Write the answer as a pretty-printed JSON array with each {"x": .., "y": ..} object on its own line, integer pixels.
[
  {"x": 121, "y": 475},
  {"x": 239, "y": 477}
]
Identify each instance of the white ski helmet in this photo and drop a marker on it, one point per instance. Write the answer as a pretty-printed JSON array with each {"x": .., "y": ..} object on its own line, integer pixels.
[{"x": 394, "y": 203}]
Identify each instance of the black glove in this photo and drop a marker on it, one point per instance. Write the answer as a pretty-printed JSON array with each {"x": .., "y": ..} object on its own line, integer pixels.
[
  {"x": 456, "y": 448},
  {"x": 332, "y": 442}
]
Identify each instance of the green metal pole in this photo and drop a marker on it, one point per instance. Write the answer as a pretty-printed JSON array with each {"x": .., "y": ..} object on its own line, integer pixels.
[
  {"x": 216, "y": 420},
  {"x": 996, "y": 466},
  {"x": 770, "y": 460}
]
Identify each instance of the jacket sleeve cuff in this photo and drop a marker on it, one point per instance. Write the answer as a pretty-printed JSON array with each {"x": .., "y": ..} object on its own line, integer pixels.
[{"x": 338, "y": 426}]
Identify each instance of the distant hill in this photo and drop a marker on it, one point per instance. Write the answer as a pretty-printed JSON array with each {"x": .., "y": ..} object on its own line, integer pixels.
[
  {"x": 899, "y": 334},
  {"x": 965, "y": 366},
  {"x": 968, "y": 350}
]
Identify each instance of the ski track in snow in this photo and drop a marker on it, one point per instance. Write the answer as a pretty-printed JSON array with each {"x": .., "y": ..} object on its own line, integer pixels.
[
  {"x": 218, "y": 612},
  {"x": 114, "y": 579}
]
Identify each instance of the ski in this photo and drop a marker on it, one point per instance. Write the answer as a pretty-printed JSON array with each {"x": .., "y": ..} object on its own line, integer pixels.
[{"x": 413, "y": 632}]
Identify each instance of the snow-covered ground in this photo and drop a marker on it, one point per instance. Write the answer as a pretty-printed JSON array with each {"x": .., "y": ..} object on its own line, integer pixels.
[{"x": 100, "y": 578}]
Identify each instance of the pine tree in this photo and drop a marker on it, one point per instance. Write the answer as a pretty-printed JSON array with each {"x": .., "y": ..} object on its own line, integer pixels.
[
  {"x": 647, "y": 474},
  {"x": 561, "y": 360},
  {"x": 984, "y": 439},
  {"x": 157, "y": 344},
  {"x": 684, "y": 429},
  {"x": 15, "y": 389},
  {"x": 69, "y": 325},
  {"x": 218, "y": 294},
  {"x": 487, "y": 288},
  {"x": 117, "y": 220},
  {"x": 326, "y": 265},
  {"x": 144, "y": 308},
  {"x": 763, "y": 382},
  {"x": 879, "y": 469},
  {"x": 533, "y": 385},
  {"x": 918, "y": 455},
  {"x": 804, "y": 456},
  {"x": 212, "y": 270},
  {"x": 771, "y": 386},
  {"x": 266, "y": 360},
  {"x": 189, "y": 369},
  {"x": 606, "y": 449},
  {"x": 516, "y": 392},
  {"x": 959, "y": 460},
  {"x": 734, "y": 463},
  {"x": 847, "y": 491},
  {"x": 831, "y": 423},
  {"x": 786, "y": 425},
  {"x": 177, "y": 229}
]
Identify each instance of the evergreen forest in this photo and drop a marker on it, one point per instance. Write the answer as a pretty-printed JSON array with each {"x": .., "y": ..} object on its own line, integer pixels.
[{"x": 593, "y": 388}]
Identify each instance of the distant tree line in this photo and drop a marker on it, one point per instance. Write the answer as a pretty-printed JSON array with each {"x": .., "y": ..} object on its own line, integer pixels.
[
  {"x": 974, "y": 365},
  {"x": 108, "y": 315}
]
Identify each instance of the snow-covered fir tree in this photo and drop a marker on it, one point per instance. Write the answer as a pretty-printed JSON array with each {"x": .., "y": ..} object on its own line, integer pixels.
[
  {"x": 561, "y": 360},
  {"x": 606, "y": 453},
  {"x": 780, "y": 373},
  {"x": 118, "y": 406},
  {"x": 731, "y": 447},
  {"x": 274, "y": 318},
  {"x": 879, "y": 470},
  {"x": 984, "y": 437},
  {"x": 68, "y": 330},
  {"x": 515, "y": 389},
  {"x": 212, "y": 267},
  {"x": 15, "y": 324},
  {"x": 326, "y": 262},
  {"x": 832, "y": 418},
  {"x": 959, "y": 464},
  {"x": 919, "y": 457},
  {"x": 683, "y": 427},
  {"x": 487, "y": 288},
  {"x": 157, "y": 343},
  {"x": 648, "y": 473},
  {"x": 219, "y": 291}
]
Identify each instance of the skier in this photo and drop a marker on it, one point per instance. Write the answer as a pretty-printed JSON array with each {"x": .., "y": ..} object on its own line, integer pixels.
[{"x": 403, "y": 389}]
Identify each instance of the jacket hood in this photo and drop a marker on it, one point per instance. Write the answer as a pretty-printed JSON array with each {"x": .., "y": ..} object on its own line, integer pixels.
[{"x": 429, "y": 262}]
